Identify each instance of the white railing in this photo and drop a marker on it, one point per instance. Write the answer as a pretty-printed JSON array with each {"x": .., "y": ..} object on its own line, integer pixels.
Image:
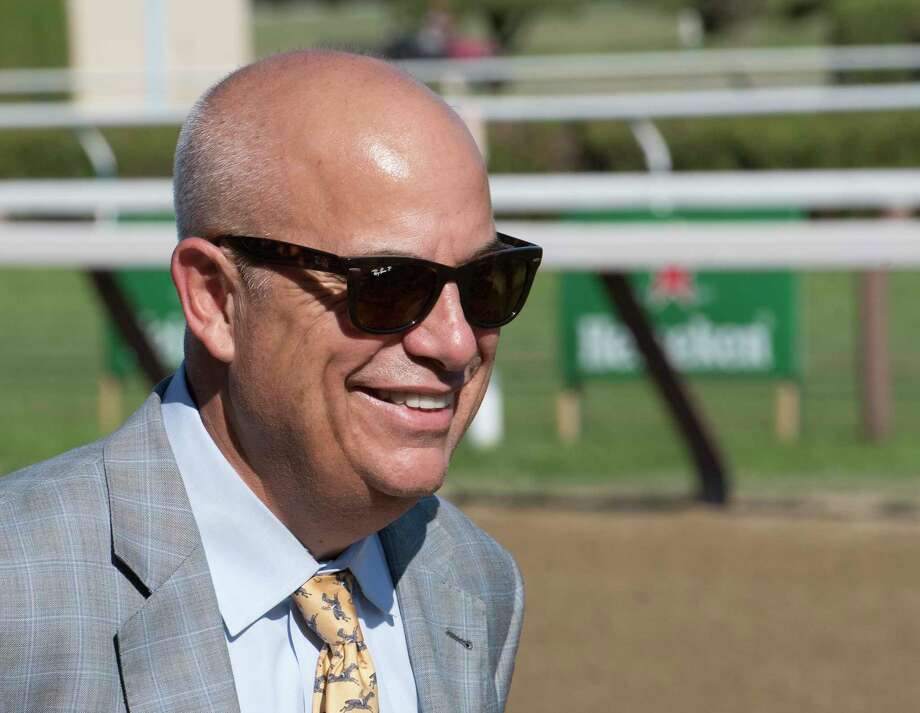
[
  {"x": 807, "y": 244},
  {"x": 678, "y": 64},
  {"x": 537, "y": 68},
  {"x": 578, "y": 107},
  {"x": 811, "y": 245},
  {"x": 701, "y": 103},
  {"x": 544, "y": 194},
  {"x": 815, "y": 244}
]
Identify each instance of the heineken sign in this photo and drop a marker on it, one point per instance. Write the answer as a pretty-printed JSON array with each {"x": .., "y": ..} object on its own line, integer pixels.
[{"x": 714, "y": 323}]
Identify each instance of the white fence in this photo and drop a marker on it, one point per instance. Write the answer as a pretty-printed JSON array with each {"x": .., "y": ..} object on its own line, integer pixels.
[
  {"x": 852, "y": 189},
  {"x": 679, "y": 64},
  {"x": 811, "y": 245},
  {"x": 815, "y": 244},
  {"x": 626, "y": 106},
  {"x": 682, "y": 64}
]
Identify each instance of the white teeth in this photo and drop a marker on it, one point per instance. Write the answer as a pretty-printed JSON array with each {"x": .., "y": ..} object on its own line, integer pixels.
[
  {"x": 430, "y": 402},
  {"x": 427, "y": 402}
]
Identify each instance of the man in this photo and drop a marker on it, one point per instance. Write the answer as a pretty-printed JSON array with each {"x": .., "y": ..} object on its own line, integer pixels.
[{"x": 260, "y": 535}]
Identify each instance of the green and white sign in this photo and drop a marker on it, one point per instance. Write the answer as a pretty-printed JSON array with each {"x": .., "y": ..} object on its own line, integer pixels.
[
  {"x": 715, "y": 323},
  {"x": 156, "y": 306},
  {"x": 712, "y": 323}
]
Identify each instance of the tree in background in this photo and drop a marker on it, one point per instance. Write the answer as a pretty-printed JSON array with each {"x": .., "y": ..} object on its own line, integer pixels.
[
  {"x": 848, "y": 21},
  {"x": 797, "y": 9},
  {"x": 873, "y": 21},
  {"x": 858, "y": 22}
]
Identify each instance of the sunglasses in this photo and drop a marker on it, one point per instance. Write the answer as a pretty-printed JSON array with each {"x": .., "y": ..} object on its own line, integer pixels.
[{"x": 390, "y": 294}]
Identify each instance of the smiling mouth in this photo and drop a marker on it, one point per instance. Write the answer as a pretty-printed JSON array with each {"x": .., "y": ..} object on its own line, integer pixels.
[{"x": 422, "y": 402}]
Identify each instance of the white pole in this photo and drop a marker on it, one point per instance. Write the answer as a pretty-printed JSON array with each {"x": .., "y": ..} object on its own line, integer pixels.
[{"x": 488, "y": 427}]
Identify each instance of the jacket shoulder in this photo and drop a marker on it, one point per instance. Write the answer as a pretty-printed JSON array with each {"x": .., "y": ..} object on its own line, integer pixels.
[
  {"x": 47, "y": 494},
  {"x": 467, "y": 539},
  {"x": 464, "y": 554}
]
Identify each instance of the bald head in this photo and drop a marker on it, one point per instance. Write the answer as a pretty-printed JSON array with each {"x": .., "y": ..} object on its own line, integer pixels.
[{"x": 291, "y": 142}]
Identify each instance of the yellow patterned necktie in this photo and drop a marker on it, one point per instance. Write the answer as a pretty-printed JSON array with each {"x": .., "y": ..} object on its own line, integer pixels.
[{"x": 345, "y": 678}]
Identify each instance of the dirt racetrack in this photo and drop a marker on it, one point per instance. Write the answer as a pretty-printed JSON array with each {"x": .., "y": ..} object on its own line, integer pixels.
[{"x": 707, "y": 612}]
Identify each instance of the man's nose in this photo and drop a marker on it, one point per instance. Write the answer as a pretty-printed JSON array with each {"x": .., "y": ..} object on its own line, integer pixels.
[{"x": 444, "y": 335}]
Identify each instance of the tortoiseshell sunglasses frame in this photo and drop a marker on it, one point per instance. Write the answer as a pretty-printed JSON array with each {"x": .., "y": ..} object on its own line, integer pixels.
[{"x": 277, "y": 252}]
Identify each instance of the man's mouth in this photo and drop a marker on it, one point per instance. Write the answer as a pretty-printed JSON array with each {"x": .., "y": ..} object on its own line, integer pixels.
[{"x": 423, "y": 402}]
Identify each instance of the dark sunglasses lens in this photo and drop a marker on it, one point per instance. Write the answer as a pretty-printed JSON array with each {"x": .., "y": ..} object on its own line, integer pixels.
[
  {"x": 393, "y": 296},
  {"x": 496, "y": 287}
]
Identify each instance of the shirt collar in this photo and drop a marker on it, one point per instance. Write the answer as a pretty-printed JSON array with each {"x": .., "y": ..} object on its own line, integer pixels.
[
  {"x": 238, "y": 531},
  {"x": 366, "y": 560}
]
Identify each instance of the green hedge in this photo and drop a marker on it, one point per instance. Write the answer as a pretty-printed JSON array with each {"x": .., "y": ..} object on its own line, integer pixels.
[
  {"x": 828, "y": 141},
  {"x": 33, "y": 33}
]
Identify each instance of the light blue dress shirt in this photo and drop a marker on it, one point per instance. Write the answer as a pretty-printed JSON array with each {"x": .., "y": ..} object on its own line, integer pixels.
[{"x": 256, "y": 563}]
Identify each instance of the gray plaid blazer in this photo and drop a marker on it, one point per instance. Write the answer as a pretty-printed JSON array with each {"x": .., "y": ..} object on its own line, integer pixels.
[{"x": 106, "y": 602}]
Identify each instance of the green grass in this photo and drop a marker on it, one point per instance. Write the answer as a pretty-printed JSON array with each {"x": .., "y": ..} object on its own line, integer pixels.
[
  {"x": 349, "y": 25},
  {"x": 775, "y": 32},
  {"x": 51, "y": 361},
  {"x": 600, "y": 27}
]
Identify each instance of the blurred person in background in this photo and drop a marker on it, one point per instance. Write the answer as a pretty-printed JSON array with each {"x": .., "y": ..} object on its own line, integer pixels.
[
  {"x": 437, "y": 37},
  {"x": 261, "y": 535}
]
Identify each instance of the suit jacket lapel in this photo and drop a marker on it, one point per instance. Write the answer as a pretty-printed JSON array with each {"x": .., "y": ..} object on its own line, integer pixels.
[
  {"x": 446, "y": 628},
  {"x": 172, "y": 651}
]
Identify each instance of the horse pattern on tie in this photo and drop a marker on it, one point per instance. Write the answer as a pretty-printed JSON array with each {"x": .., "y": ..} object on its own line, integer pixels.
[{"x": 345, "y": 677}]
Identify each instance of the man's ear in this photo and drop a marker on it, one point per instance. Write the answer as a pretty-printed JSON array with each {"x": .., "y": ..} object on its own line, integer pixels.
[{"x": 209, "y": 291}]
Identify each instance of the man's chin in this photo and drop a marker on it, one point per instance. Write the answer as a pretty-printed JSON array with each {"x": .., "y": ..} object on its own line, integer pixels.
[
  {"x": 408, "y": 478},
  {"x": 407, "y": 491}
]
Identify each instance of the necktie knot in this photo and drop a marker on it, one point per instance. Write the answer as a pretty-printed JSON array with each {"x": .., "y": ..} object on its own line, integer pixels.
[{"x": 327, "y": 604}]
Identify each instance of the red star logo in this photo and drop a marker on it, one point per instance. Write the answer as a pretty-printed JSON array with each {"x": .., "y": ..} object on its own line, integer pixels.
[{"x": 673, "y": 284}]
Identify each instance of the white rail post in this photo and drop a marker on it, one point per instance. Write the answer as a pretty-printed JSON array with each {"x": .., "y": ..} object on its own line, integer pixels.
[{"x": 488, "y": 427}]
